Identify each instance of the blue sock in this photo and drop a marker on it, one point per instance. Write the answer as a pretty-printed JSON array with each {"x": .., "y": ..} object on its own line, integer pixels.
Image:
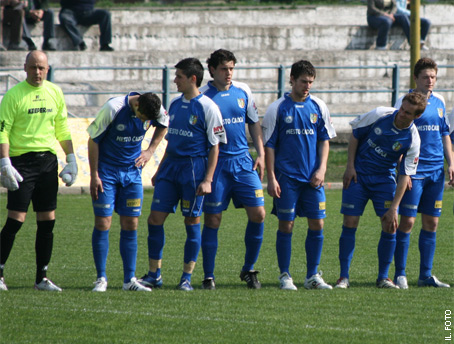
[
  {"x": 346, "y": 249},
  {"x": 128, "y": 252},
  {"x": 386, "y": 247},
  {"x": 253, "y": 240},
  {"x": 427, "y": 243},
  {"x": 401, "y": 253},
  {"x": 100, "y": 246},
  {"x": 156, "y": 274},
  {"x": 314, "y": 245},
  {"x": 284, "y": 250},
  {"x": 192, "y": 245},
  {"x": 187, "y": 276},
  {"x": 156, "y": 241},
  {"x": 209, "y": 249}
]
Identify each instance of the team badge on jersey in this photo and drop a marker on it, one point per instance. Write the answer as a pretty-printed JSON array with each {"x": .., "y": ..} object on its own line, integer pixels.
[
  {"x": 193, "y": 119},
  {"x": 314, "y": 118},
  {"x": 121, "y": 127},
  {"x": 377, "y": 131},
  {"x": 288, "y": 119},
  {"x": 146, "y": 125},
  {"x": 241, "y": 103},
  {"x": 397, "y": 146},
  {"x": 440, "y": 112}
]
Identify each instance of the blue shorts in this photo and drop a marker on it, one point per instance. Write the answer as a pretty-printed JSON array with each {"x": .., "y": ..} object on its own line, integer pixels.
[
  {"x": 378, "y": 188},
  {"x": 123, "y": 191},
  {"x": 299, "y": 199},
  {"x": 234, "y": 179},
  {"x": 177, "y": 180},
  {"x": 425, "y": 196}
]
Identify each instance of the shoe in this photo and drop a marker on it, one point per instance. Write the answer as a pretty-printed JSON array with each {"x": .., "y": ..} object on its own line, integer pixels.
[
  {"x": 386, "y": 283},
  {"x": 82, "y": 46},
  {"x": 185, "y": 285},
  {"x": 2, "y": 47},
  {"x": 49, "y": 46},
  {"x": 432, "y": 281},
  {"x": 401, "y": 282},
  {"x": 250, "y": 277},
  {"x": 286, "y": 282},
  {"x": 208, "y": 284},
  {"x": 134, "y": 285},
  {"x": 106, "y": 47},
  {"x": 3, "y": 285},
  {"x": 316, "y": 282},
  {"x": 47, "y": 285},
  {"x": 380, "y": 48},
  {"x": 342, "y": 283},
  {"x": 151, "y": 282},
  {"x": 16, "y": 47},
  {"x": 100, "y": 284},
  {"x": 32, "y": 47}
]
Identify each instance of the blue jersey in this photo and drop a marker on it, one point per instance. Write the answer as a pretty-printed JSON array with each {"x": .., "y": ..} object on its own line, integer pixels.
[
  {"x": 237, "y": 108},
  {"x": 119, "y": 133},
  {"x": 380, "y": 144},
  {"x": 432, "y": 126},
  {"x": 451, "y": 125},
  {"x": 293, "y": 129},
  {"x": 194, "y": 127}
]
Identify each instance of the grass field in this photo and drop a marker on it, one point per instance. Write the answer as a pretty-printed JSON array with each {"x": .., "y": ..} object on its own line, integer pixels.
[{"x": 232, "y": 313}]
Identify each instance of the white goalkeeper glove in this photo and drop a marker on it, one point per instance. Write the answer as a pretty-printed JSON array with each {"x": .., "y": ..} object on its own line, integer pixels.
[
  {"x": 70, "y": 169},
  {"x": 10, "y": 178}
]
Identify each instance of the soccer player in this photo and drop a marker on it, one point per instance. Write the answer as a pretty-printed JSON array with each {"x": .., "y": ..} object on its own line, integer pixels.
[
  {"x": 186, "y": 171},
  {"x": 380, "y": 139},
  {"x": 425, "y": 188},
  {"x": 297, "y": 129},
  {"x": 116, "y": 161},
  {"x": 236, "y": 174},
  {"x": 33, "y": 119}
]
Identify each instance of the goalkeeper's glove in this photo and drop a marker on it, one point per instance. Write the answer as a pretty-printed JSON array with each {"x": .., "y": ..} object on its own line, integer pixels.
[
  {"x": 10, "y": 178},
  {"x": 70, "y": 168}
]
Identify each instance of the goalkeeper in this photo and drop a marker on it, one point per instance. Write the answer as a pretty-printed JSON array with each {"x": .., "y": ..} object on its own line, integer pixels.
[{"x": 33, "y": 118}]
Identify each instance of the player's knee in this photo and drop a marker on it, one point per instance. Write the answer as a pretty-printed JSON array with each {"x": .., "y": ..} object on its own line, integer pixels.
[{"x": 213, "y": 220}]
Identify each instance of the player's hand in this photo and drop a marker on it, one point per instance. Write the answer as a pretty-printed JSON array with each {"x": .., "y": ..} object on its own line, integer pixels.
[
  {"x": 70, "y": 168},
  {"x": 318, "y": 179},
  {"x": 203, "y": 188},
  {"x": 143, "y": 159},
  {"x": 10, "y": 178},
  {"x": 259, "y": 166},
  {"x": 274, "y": 189},
  {"x": 95, "y": 187},
  {"x": 451, "y": 175},
  {"x": 390, "y": 221},
  {"x": 350, "y": 173}
]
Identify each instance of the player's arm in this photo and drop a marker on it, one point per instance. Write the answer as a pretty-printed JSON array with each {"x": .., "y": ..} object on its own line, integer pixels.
[
  {"x": 93, "y": 158},
  {"x": 273, "y": 188},
  {"x": 257, "y": 139},
  {"x": 350, "y": 171},
  {"x": 146, "y": 155},
  {"x": 71, "y": 167},
  {"x": 389, "y": 220},
  {"x": 318, "y": 178},
  {"x": 205, "y": 186},
  {"x": 449, "y": 156}
]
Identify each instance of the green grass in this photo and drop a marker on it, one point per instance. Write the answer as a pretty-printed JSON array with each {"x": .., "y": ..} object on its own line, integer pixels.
[{"x": 232, "y": 313}]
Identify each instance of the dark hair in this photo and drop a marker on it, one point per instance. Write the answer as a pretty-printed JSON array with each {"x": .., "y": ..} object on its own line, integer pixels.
[
  {"x": 424, "y": 63},
  {"x": 191, "y": 66},
  {"x": 418, "y": 99},
  {"x": 218, "y": 57},
  {"x": 149, "y": 105},
  {"x": 302, "y": 67}
]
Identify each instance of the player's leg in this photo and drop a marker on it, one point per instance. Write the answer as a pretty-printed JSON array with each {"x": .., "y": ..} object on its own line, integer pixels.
[
  {"x": 191, "y": 251},
  {"x": 406, "y": 224},
  {"x": 209, "y": 247},
  {"x": 100, "y": 248},
  {"x": 253, "y": 236}
]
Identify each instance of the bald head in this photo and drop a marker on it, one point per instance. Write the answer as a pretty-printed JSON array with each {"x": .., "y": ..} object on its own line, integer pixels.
[{"x": 36, "y": 67}]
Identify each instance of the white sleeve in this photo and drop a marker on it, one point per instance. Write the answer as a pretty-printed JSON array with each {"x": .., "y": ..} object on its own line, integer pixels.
[
  {"x": 269, "y": 121},
  {"x": 371, "y": 117},
  {"x": 326, "y": 117},
  {"x": 105, "y": 116},
  {"x": 451, "y": 121},
  {"x": 163, "y": 118},
  {"x": 412, "y": 156}
]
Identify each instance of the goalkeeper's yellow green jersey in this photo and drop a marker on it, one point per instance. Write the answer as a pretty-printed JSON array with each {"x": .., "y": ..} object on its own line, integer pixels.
[{"x": 33, "y": 119}]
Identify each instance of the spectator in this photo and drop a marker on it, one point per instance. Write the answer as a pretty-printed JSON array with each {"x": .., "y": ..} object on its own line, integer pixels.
[
  {"x": 82, "y": 12},
  {"x": 38, "y": 10},
  {"x": 425, "y": 23},
  {"x": 381, "y": 15},
  {"x": 13, "y": 16}
]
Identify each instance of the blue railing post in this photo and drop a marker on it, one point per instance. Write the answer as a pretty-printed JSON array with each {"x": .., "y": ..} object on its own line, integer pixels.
[
  {"x": 281, "y": 81},
  {"x": 395, "y": 86},
  {"x": 50, "y": 74},
  {"x": 165, "y": 87}
]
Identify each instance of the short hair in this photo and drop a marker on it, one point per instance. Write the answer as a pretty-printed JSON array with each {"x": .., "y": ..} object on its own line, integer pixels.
[
  {"x": 149, "y": 105},
  {"x": 218, "y": 57},
  {"x": 424, "y": 63},
  {"x": 302, "y": 67},
  {"x": 191, "y": 66},
  {"x": 418, "y": 99}
]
